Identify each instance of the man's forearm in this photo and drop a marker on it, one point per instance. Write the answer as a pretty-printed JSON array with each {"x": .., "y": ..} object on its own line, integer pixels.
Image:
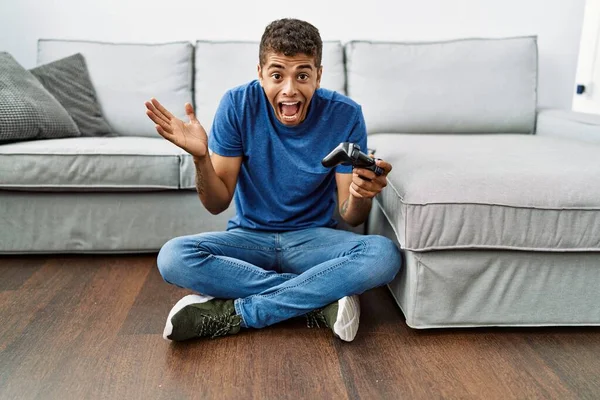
[
  {"x": 212, "y": 191},
  {"x": 355, "y": 210}
]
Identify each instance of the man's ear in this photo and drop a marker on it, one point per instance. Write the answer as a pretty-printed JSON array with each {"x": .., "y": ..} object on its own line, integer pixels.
[
  {"x": 319, "y": 74},
  {"x": 259, "y": 73}
]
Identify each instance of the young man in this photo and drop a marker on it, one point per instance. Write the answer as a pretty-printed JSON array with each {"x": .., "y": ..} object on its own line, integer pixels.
[{"x": 280, "y": 256}]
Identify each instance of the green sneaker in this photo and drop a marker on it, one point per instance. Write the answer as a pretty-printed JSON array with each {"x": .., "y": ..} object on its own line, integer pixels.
[
  {"x": 342, "y": 317},
  {"x": 201, "y": 316}
]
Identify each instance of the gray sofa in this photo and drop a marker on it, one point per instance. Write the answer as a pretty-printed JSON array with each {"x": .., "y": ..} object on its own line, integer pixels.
[{"x": 495, "y": 203}]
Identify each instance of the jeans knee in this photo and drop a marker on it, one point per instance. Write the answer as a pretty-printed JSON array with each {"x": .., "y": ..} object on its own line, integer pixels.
[
  {"x": 169, "y": 258},
  {"x": 386, "y": 257}
]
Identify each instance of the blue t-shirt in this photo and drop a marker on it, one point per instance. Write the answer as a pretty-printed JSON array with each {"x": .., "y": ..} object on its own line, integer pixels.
[{"x": 282, "y": 185}]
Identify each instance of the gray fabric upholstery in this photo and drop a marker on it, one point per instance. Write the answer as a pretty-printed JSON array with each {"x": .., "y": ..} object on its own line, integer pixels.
[
  {"x": 69, "y": 82},
  {"x": 522, "y": 192},
  {"x": 460, "y": 86},
  {"x": 127, "y": 75},
  {"x": 223, "y": 65},
  {"x": 468, "y": 288},
  {"x": 569, "y": 125},
  {"x": 28, "y": 111},
  {"x": 95, "y": 164},
  {"x": 43, "y": 222},
  {"x": 103, "y": 222}
]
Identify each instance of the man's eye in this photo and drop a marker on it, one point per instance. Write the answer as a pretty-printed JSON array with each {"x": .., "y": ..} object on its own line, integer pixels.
[
  {"x": 276, "y": 76},
  {"x": 303, "y": 77}
]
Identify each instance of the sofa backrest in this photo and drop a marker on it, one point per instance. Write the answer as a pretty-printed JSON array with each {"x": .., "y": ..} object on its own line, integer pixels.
[
  {"x": 220, "y": 66},
  {"x": 460, "y": 86},
  {"x": 127, "y": 75}
]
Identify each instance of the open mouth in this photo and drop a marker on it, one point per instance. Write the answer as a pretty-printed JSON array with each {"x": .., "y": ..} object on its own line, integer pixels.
[{"x": 289, "y": 111}]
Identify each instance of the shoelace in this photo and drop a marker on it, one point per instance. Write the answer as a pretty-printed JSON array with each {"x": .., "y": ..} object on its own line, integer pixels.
[
  {"x": 216, "y": 326},
  {"x": 314, "y": 317}
]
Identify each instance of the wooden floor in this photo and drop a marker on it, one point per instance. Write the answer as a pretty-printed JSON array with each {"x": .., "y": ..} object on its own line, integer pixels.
[{"x": 90, "y": 327}]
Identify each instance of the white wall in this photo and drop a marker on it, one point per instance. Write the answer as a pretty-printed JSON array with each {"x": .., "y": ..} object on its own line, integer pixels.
[
  {"x": 557, "y": 23},
  {"x": 588, "y": 73}
]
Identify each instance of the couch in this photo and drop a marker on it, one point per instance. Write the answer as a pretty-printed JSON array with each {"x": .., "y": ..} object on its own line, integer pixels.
[{"x": 494, "y": 202}]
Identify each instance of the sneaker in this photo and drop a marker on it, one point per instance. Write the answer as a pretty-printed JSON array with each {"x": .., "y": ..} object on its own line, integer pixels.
[
  {"x": 342, "y": 317},
  {"x": 197, "y": 316}
]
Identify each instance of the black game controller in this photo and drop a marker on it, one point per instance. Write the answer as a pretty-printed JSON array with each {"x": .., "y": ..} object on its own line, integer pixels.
[{"x": 347, "y": 153}]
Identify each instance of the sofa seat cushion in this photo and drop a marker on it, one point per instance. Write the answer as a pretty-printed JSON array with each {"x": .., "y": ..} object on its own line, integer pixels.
[
  {"x": 504, "y": 191},
  {"x": 95, "y": 164}
]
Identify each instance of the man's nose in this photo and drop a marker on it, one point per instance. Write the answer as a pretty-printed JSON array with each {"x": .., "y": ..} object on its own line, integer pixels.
[{"x": 289, "y": 87}]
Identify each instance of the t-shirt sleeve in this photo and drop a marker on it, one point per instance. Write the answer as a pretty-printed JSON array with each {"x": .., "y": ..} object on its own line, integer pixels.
[
  {"x": 225, "y": 137},
  {"x": 358, "y": 135}
]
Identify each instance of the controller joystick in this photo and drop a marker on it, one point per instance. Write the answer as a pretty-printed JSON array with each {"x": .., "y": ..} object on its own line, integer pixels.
[{"x": 347, "y": 153}]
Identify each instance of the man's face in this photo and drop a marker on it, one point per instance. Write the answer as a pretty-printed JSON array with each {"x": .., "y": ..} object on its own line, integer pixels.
[{"x": 289, "y": 83}]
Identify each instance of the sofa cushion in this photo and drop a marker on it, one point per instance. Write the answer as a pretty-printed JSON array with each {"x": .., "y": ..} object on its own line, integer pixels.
[
  {"x": 223, "y": 65},
  {"x": 127, "y": 75},
  {"x": 503, "y": 191},
  {"x": 94, "y": 164},
  {"x": 69, "y": 82},
  {"x": 27, "y": 110},
  {"x": 471, "y": 85},
  {"x": 568, "y": 124}
]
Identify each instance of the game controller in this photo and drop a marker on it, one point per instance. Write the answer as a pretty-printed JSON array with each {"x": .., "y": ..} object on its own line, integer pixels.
[{"x": 347, "y": 153}]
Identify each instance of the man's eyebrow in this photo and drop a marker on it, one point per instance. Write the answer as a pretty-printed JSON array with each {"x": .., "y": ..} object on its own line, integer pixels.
[{"x": 279, "y": 66}]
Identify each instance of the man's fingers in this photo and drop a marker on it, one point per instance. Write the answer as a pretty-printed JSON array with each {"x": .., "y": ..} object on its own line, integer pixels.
[
  {"x": 367, "y": 186},
  {"x": 353, "y": 191},
  {"x": 164, "y": 134},
  {"x": 387, "y": 167},
  {"x": 358, "y": 191},
  {"x": 156, "y": 112},
  {"x": 365, "y": 173},
  {"x": 160, "y": 108},
  {"x": 166, "y": 127},
  {"x": 189, "y": 110}
]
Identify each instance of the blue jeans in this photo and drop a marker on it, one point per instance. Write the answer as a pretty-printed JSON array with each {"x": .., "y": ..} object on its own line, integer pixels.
[{"x": 276, "y": 276}]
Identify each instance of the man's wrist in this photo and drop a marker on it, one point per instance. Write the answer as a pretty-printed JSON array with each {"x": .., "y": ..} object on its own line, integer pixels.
[
  {"x": 355, "y": 204},
  {"x": 200, "y": 159},
  {"x": 357, "y": 201}
]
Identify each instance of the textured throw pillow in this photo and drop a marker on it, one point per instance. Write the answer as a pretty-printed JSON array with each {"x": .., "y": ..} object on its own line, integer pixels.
[
  {"x": 68, "y": 80},
  {"x": 28, "y": 111}
]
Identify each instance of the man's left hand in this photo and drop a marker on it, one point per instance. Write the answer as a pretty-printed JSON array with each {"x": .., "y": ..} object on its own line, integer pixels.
[{"x": 363, "y": 188}]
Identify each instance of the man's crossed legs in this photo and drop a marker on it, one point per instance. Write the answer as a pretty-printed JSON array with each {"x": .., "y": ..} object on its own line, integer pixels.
[{"x": 255, "y": 279}]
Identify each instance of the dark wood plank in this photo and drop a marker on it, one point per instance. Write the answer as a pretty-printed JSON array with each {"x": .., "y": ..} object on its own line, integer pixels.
[
  {"x": 60, "y": 350},
  {"x": 572, "y": 353},
  {"x": 151, "y": 307},
  {"x": 91, "y": 327},
  {"x": 15, "y": 270},
  {"x": 20, "y": 307},
  {"x": 390, "y": 360}
]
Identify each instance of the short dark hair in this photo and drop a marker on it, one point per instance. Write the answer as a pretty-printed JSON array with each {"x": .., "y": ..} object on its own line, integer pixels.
[{"x": 290, "y": 37}]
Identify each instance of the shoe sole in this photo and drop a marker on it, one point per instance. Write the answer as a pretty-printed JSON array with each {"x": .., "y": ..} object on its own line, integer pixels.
[
  {"x": 185, "y": 301},
  {"x": 348, "y": 318}
]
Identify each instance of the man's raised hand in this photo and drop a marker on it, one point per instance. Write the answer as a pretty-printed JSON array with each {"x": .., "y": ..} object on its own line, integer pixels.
[{"x": 190, "y": 136}]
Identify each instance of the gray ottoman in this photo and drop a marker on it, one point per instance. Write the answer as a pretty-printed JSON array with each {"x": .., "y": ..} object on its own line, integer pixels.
[{"x": 497, "y": 230}]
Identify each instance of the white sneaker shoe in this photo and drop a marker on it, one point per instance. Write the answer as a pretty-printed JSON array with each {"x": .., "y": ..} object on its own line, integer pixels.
[
  {"x": 342, "y": 316},
  {"x": 347, "y": 319}
]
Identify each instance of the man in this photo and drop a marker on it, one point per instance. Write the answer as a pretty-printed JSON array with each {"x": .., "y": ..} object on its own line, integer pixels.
[{"x": 280, "y": 256}]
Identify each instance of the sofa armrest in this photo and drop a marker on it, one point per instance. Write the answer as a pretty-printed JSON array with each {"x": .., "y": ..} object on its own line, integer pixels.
[{"x": 569, "y": 125}]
